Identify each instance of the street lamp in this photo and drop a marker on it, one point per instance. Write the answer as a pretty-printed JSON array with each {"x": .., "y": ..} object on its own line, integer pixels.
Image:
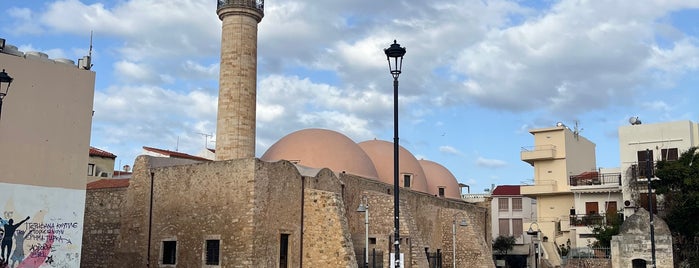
[
  {"x": 537, "y": 247},
  {"x": 394, "y": 55},
  {"x": 649, "y": 175},
  {"x": 364, "y": 207},
  {"x": 462, "y": 222},
  {"x": 4, "y": 79}
]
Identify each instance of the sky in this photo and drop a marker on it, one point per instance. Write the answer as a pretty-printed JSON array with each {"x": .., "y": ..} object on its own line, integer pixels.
[{"x": 477, "y": 75}]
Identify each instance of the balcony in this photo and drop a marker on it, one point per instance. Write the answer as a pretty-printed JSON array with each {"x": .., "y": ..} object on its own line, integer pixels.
[
  {"x": 541, "y": 187},
  {"x": 638, "y": 171},
  {"x": 542, "y": 152},
  {"x": 583, "y": 220},
  {"x": 595, "y": 180}
]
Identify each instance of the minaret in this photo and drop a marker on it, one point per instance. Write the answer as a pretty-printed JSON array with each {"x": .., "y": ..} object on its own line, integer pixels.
[{"x": 235, "y": 126}]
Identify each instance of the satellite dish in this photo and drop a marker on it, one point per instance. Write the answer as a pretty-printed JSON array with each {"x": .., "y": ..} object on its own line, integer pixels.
[
  {"x": 634, "y": 120},
  {"x": 560, "y": 124}
]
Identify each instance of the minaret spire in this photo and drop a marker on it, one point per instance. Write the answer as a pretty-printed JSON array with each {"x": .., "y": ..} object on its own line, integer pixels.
[{"x": 235, "y": 125}]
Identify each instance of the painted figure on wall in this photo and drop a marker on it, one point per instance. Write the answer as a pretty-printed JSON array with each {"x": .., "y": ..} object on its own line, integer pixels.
[
  {"x": 20, "y": 236},
  {"x": 9, "y": 228}
]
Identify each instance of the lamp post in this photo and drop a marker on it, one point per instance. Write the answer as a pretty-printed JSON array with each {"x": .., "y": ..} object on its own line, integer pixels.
[
  {"x": 462, "y": 222},
  {"x": 5, "y": 81},
  {"x": 364, "y": 207},
  {"x": 394, "y": 55},
  {"x": 649, "y": 175},
  {"x": 537, "y": 247}
]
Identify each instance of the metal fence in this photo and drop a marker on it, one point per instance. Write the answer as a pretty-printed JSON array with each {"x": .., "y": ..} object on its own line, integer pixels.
[{"x": 589, "y": 253}]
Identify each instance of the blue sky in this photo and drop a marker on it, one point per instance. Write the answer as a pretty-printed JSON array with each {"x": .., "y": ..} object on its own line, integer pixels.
[{"x": 477, "y": 74}]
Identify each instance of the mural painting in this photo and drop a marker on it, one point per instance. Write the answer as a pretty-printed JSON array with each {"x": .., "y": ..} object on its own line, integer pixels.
[{"x": 40, "y": 226}]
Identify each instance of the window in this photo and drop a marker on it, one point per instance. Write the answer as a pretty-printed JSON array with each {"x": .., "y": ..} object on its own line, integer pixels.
[
  {"x": 406, "y": 180},
  {"x": 669, "y": 154},
  {"x": 169, "y": 252},
  {"x": 504, "y": 227},
  {"x": 213, "y": 252},
  {"x": 517, "y": 204},
  {"x": 642, "y": 157},
  {"x": 441, "y": 191},
  {"x": 503, "y": 204},
  {"x": 372, "y": 240},
  {"x": 284, "y": 251},
  {"x": 591, "y": 208},
  {"x": 91, "y": 169},
  {"x": 517, "y": 227}
]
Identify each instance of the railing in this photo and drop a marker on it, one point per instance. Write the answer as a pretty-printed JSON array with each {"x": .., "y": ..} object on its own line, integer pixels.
[
  {"x": 547, "y": 147},
  {"x": 589, "y": 253},
  {"x": 638, "y": 171},
  {"x": 594, "y": 219},
  {"x": 595, "y": 178},
  {"x": 257, "y": 4}
]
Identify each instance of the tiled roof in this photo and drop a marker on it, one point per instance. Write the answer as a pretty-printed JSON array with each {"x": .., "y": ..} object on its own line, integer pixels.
[
  {"x": 506, "y": 190},
  {"x": 99, "y": 152},
  {"x": 108, "y": 183},
  {"x": 174, "y": 154}
]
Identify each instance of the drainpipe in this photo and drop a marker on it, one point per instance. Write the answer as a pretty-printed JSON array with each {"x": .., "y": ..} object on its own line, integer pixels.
[
  {"x": 303, "y": 198},
  {"x": 150, "y": 217}
]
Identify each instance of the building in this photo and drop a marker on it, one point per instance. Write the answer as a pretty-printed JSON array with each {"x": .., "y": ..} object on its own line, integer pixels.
[
  {"x": 510, "y": 210},
  {"x": 639, "y": 143},
  {"x": 100, "y": 164},
  {"x": 571, "y": 192},
  {"x": 295, "y": 206},
  {"x": 44, "y": 136}
]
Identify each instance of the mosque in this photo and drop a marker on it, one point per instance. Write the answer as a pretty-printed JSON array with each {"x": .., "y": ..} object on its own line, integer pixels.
[{"x": 296, "y": 206}]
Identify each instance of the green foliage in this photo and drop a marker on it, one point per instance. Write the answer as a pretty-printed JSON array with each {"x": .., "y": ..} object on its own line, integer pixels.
[
  {"x": 604, "y": 231},
  {"x": 679, "y": 185},
  {"x": 503, "y": 244}
]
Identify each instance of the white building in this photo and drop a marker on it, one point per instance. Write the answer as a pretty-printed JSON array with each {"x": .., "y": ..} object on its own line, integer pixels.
[{"x": 664, "y": 141}]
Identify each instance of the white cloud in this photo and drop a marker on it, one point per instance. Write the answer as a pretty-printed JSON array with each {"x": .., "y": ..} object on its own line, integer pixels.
[
  {"x": 490, "y": 163},
  {"x": 449, "y": 150}
]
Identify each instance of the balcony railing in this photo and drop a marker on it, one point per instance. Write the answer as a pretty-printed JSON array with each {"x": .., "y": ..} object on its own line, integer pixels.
[
  {"x": 256, "y": 4},
  {"x": 638, "y": 171},
  {"x": 538, "y": 152},
  {"x": 595, "y": 178},
  {"x": 579, "y": 220}
]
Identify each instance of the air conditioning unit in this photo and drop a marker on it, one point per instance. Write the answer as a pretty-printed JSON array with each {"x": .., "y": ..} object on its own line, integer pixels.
[{"x": 628, "y": 204}]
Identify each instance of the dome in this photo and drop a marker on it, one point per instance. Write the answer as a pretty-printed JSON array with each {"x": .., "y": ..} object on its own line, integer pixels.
[
  {"x": 381, "y": 153},
  {"x": 322, "y": 148},
  {"x": 439, "y": 176}
]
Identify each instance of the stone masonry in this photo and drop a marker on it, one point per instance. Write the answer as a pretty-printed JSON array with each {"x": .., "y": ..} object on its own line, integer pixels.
[
  {"x": 633, "y": 242},
  {"x": 248, "y": 204},
  {"x": 235, "y": 127}
]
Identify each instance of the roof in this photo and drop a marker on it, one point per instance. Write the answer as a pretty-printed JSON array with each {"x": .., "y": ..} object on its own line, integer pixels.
[
  {"x": 173, "y": 154},
  {"x": 506, "y": 190},
  {"x": 108, "y": 183},
  {"x": 101, "y": 153}
]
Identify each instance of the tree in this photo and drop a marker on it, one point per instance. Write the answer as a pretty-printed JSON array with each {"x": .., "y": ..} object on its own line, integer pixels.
[
  {"x": 605, "y": 230},
  {"x": 503, "y": 244},
  {"x": 679, "y": 185}
]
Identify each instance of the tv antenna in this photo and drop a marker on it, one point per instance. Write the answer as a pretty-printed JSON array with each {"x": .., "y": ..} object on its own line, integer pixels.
[
  {"x": 206, "y": 139},
  {"x": 577, "y": 130}
]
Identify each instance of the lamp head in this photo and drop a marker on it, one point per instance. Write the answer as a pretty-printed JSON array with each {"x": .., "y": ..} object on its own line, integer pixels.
[
  {"x": 394, "y": 55},
  {"x": 362, "y": 208},
  {"x": 4, "y": 79}
]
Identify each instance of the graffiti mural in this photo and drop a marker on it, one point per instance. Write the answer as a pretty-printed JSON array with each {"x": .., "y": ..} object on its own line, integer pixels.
[{"x": 40, "y": 226}]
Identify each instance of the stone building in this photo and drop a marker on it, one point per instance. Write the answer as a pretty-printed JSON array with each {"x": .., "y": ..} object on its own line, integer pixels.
[
  {"x": 632, "y": 247},
  {"x": 296, "y": 206}
]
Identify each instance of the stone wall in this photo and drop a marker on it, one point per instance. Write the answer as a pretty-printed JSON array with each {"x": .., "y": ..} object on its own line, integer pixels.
[
  {"x": 249, "y": 204},
  {"x": 633, "y": 242},
  {"x": 102, "y": 225}
]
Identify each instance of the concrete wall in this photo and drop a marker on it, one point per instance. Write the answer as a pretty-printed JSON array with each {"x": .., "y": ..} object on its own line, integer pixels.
[
  {"x": 248, "y": 204},
  {"x": 102, "y": 164},
  {"x": 44, "y": 143}
]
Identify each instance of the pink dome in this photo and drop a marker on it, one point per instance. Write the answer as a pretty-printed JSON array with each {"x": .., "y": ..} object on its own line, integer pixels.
[
  {"x": 439, "y": 176},
  {"x": 381, "y": 153},
  {"x": 322, "y": 148}
]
